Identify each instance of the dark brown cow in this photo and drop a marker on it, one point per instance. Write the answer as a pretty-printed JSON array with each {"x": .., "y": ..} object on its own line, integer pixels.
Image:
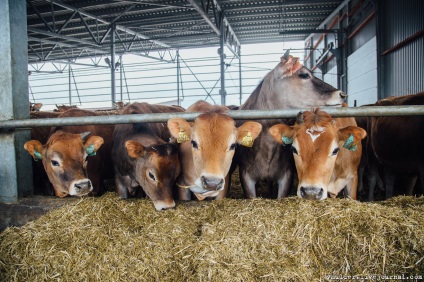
[
  {"x": 206, "y": 159},
  {"x": 288, "y": 85},
  {"x": 72, "y": 157},
  {"x": 320, "y": 146},
  {"x": 143, "y": 157},
  {"x": 397, "y": 143}
]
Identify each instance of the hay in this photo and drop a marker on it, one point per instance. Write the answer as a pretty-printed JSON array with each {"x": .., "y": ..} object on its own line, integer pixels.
[{"x": 107, "y": 239}]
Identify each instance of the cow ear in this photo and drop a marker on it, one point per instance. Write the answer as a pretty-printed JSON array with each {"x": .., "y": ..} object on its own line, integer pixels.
[
  {"x": 351, "y": 136},
  {"x": 35, "y": 148},
  {"x": 134, "y": 149},
  {"x": 92, "y": 144},
  {"x": 282, "y": 134},
  {"x": 290, "y": 66},
  {"x": 180, "y": 129},
  {"x": 248, "y": 132}
]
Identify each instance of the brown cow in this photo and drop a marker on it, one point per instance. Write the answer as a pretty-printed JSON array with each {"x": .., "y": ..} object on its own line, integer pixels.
[
  {"x": 42, "y": 185},
  {"x": 64, "y": 108},
  {"x": 72, "y": 159},
  {"x": 206, "y": 159},
  {"x": 35, "y": 107},
  {"x": 397, "y": 144},
  {"x": 323, "y": 164},
  {"x": 143, "y": 158},
  {"x": 288, "y": 85}
]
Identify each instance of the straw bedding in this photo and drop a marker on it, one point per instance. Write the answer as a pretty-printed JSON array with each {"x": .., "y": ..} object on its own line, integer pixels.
[{"x": 108, "y": 239}]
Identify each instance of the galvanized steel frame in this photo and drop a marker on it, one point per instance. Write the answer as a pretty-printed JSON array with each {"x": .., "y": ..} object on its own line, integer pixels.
[{"x": 238, "y": 115}]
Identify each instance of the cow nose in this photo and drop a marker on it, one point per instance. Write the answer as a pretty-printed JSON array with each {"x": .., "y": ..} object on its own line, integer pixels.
[
  {"x": 311, "y": 193},
  {"x": 343, "y": 95},
  {"x": 212, "y": 183},
  {"x": 82, "y": 186}
]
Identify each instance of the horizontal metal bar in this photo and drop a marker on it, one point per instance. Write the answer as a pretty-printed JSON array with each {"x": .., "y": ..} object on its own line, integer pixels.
[{"x": 245, "y": 115}]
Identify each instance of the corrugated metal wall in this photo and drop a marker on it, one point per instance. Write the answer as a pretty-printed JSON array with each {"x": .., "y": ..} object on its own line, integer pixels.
[{"x": 403, "y": 68}]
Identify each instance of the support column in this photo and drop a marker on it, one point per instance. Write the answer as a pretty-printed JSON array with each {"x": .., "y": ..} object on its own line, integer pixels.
[
  {"x": 15, "y": 162},
  {"x": 178, "y": 78},
  {"x": 121, "y": 64},
  {"x": 112, "y": 64},
  {"x": 222, "y": 91},
  {"x": 240, "y": 80},
  {"x": 70, "y": 84}
]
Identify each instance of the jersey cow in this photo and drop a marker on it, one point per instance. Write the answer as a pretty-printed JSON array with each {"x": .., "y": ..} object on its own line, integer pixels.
[
  {"x": 207, "y": 149},
  {"x": 143, "y": 159},
  {"x": 288, "y": 85},
  {"x": 397, "y": 144},
  {"x": 326, "y": 152},
  {"x": 71, "y": 157}
]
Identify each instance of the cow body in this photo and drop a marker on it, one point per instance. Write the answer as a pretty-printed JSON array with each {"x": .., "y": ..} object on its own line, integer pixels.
[
  {"x": 72, "y": 158},
  {"x": 144, "y": 159},
  {"x": 288, "y": 85},
  {"x": 207, "y": 149},
  {"x": 397, "y": 144},
  {"x": 326, "y": 151}
]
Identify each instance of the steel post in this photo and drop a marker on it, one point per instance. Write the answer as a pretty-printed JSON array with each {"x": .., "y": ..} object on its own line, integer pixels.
[
  {"x": 15, "y": 164},
  {"x": 112, "y": 65}
]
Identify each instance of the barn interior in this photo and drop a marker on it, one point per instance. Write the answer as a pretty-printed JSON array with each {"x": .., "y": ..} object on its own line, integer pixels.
[{"x": 371, "y": 49}]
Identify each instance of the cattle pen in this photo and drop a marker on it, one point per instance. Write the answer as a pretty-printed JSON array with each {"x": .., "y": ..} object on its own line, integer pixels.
[{"x": 128, "y": 194}]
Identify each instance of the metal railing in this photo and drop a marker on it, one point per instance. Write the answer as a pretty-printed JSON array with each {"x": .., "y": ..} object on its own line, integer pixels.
[{"x": 244, "y": 115}]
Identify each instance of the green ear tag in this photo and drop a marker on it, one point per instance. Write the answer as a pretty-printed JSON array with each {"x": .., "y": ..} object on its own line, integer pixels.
[
  {"x": 38, "y": 156},
  {"x": 348, "y": 144},
  {"x": 90, "y": 150},
  {"x": 286, "y": 140}
]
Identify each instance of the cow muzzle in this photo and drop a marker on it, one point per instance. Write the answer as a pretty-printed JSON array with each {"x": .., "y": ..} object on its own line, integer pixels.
[
  {"x": 163, "y": 205},
  {"x": 212, "y": 183},
  {"x": 311, "y": 193},
  {"x": 81, "y": 187}
]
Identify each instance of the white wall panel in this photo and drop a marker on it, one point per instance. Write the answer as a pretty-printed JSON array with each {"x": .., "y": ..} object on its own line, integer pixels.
[{"x": 362, "y": 75}]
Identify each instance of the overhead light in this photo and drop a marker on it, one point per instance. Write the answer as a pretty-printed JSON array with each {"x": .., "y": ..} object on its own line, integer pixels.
[{"x": 309, "y": 31}]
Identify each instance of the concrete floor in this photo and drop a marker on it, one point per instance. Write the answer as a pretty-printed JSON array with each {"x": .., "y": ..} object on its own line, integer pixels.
[{"x": 28, "y": 209}]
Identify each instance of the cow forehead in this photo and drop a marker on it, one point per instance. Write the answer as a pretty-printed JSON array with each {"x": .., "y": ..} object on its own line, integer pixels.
[
  {"x": 216, "y": 127},
  {"x": 315, "y": 136},
  {"x": 68, "y": 146}
]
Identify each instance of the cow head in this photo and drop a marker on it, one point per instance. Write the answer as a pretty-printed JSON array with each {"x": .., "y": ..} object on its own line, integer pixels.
[
  {"x": 156, "y": 168},
  {"x": 208, "y": 145},
  {"x": 65, "y": 157},
  {"x": 315, "y": 144},
  {"x": 299, "y": 87}
]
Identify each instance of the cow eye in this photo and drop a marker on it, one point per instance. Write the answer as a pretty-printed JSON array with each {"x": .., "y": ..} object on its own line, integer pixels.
[
  {"x": 293, "y": 149},
  {"x": 194, "y": 143},
  {"x": 233, "y": 146},
  {"x": 335, "y": 151},
  {"x": 55, "y": 163},
  {"x": 152, "y": 176},
  {"x": 304, "y": 75}
]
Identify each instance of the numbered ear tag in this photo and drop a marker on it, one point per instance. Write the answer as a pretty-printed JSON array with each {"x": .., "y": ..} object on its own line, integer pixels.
[
  {"x": 38, "y": 156},
  {"x": 286, "y": 140},
  {"x": 182, "y": 137},
  {"x": 349, "y": 144},
  {"x": 90, "y": 150},
  {"x": 247, "y": 140}
]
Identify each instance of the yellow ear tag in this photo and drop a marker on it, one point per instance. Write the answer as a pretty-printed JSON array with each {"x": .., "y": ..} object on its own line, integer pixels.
[
  {"x": 182, "y": 137},
  {"x": 247, "y": 140}
]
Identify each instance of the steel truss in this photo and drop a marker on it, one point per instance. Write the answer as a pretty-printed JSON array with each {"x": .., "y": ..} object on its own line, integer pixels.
[{"x": 50, "y": 37}]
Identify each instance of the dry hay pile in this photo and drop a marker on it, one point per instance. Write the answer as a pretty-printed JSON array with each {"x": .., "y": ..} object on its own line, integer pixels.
[{"x": 107, "y": 239}]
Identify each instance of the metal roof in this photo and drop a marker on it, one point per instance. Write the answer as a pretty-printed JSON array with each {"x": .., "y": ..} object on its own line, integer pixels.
[{"x": 68, "y": 29}]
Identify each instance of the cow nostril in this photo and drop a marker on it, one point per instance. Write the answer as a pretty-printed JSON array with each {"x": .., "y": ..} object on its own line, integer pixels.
[
  {"x": 343, "y": 95},
  {"x": 83, "y": 185},
  {"x": 302, "y": 192},
  {"x": 319, "y": 195}
]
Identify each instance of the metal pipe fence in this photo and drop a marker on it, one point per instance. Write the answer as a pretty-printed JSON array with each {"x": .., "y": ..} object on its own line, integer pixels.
[{"x": 238, "y": 115}]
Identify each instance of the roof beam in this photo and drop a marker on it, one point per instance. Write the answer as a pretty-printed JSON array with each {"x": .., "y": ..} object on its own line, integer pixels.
[
  {"x": 119, "y": 27},
  {"x": 30, "y": 38},
  {"x": 61, "y": 36},
  {"x": 216, "y": 27}
]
